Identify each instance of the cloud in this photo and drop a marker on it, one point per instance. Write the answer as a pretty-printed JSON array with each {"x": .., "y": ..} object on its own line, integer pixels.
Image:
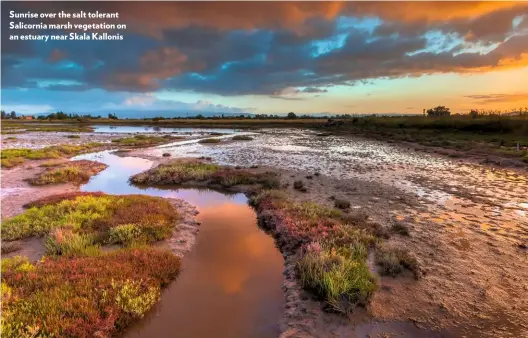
[
  {"x": 314, "y": 90},
  {"x": 256, "y": 48},
  {"x": 494, "y": 98},
  {"x": 148, "y": 102}
]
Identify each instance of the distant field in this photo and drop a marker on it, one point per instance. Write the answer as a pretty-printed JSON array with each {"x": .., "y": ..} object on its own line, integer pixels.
[
  {"x": 494, "y": 134},
  {"x": 227, "y": 123}
]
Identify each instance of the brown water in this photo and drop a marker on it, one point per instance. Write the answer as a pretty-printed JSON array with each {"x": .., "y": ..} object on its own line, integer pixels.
[{"x": 230, "y": 285}]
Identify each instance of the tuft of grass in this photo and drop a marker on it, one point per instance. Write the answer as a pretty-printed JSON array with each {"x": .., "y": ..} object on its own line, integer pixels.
[
  {"x": 11, "y": 162},
  {"x": 210, "y": 140},
  {"x": 242, "y": 138},
  {"x": 65, "y": 242},
  {"x": 13, "y": 157},
  {"x": 179, "y": 172},
  {"x": 332, "y": 263},
  {"x": 11, "y": 138},
  {"x": 8, "y": 247},
  {"x": 95, "y": 215},
  {"x": 145, "y": 140},
  {"x": 83, "y": 296},
  {"x": 394, "y": 260},
  {"x": 77, "y": 172},
  {"x": 73, "y": 136},
  {"x": 342, "y": 281}
]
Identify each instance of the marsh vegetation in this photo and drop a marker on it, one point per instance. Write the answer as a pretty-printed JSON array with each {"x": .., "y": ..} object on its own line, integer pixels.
[
  {"x": 78, "y": 289},
  {"x": 76, "y": 172},
  {"x": 13, "y": 157}
]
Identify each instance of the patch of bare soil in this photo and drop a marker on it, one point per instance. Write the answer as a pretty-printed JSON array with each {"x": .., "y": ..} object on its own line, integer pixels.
[
  {"x": 473, "y": 284},
  {"x": 16, "y": 191},
  {"x": 184, "y": 233}
]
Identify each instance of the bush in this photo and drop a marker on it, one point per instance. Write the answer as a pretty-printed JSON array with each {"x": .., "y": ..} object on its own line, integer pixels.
[
  {"x": 298, "y": 185},
  {"x": 126, "y": 234},
  {"x": 394, "y": 260},
  {"x": 341, "y": 204},
  {"x": 64, "y": 242}
]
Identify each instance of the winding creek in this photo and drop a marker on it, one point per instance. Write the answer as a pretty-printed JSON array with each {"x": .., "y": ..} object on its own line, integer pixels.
[
  {"x": 469, "y": 225},
  {"x": 230, "y": 284}
]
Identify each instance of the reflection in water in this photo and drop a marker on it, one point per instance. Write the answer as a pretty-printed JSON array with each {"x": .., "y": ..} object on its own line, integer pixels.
[
  {"x": 157, "y": 129},
  {"x": 469, "y": 195},
  {"x": 230, "y": 283}
]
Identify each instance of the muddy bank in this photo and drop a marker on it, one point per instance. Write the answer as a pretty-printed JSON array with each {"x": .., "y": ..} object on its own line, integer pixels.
[
  {"x": 16, "y": 190},
  {"x": 467, "y": 225}
]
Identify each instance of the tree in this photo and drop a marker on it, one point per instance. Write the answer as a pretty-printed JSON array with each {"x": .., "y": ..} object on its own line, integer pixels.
[
  {"x": 13, "y": 115},
  {"x": 438, "y": 111},
  {"x": 3, "y": 114},
  {"x": 291, "y": 115},
  {"x": 112, "y": 116}
]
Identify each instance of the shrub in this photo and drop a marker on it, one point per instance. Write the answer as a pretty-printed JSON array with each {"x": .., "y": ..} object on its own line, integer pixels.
[
  {"x": 298, "y": 185},
  {"x": 73, "y": 136},
  {"x": 133, "y": 299},
  {"x": 394, "y": 260},
  {"x": 125, "y": 234},
  {"x": 83, "y": 296},
  {"x": 64, "y": 242},
  {"x": 341, "y": 204}
]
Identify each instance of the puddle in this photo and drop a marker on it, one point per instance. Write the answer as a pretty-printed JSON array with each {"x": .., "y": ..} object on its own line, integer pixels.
[
  {"x": 230, "y": 285},
  {"x": 155, "y": 129}
]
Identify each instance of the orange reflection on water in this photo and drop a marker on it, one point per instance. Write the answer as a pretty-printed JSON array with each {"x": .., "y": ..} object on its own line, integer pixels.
[{"x": 230, "y": 283}]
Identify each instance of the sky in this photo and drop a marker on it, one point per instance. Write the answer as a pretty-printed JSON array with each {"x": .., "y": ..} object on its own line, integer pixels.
[{"x": 273, "y": 58}]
